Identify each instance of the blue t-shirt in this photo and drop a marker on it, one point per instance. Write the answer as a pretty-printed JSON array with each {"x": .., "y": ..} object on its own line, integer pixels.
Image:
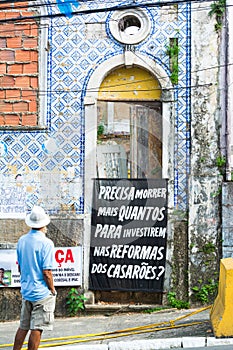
[{"x": 35, "y": 253}]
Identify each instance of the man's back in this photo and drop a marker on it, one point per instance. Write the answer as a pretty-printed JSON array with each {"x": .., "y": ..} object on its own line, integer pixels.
[{"x": 35, "y": 254}]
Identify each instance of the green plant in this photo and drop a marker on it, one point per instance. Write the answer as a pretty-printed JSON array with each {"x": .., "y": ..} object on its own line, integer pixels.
[
  {"x": 217, "y": 193},
  {"x": 218, "y": 9},
  {"x": 100, "y": 130},
  {"x": 202, "y": 159},
  {"x": 220, "y": 163},
  {"x": 178, "y": 304},
  {"x": 208, "y": 248},
  {"x": 75, "y": 301},
  {"x": 206, "y": 292},
  {"x": 172, "y": 51},
  {"x": 154, "y": 309}
]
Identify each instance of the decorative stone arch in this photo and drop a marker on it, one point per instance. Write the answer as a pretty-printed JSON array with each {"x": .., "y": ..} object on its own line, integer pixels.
[{"x": 127, "y": 59}]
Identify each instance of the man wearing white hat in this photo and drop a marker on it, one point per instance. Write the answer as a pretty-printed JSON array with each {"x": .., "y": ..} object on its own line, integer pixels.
[{"x": 35, "y": 254}]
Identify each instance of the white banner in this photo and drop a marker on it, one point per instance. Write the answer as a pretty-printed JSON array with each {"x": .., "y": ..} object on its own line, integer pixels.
[{"x": 67, "y": 270}]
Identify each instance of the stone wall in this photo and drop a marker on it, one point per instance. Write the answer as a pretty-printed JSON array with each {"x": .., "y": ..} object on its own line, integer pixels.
[
  {"x": 227, "y": 223},
  {"x": 205, "y": 179}
]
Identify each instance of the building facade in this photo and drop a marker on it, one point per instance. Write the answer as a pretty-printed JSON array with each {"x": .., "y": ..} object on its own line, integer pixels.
[{"x": 151, "y": 78}]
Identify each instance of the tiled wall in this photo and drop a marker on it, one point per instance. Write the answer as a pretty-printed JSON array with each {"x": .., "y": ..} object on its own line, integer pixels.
[{"x": 50, "y": 160}]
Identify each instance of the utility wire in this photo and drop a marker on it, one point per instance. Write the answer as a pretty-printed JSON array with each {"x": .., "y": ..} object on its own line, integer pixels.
[
  {"x": 89, "y": 11},
  {"x": 197, "y": 9},
  {"x": 51, "y": 4},
  {"x": 181, "y": 1},
  {"x": 104, "y": 9},
  {"x": 158, "y": 2},
  {"x": 44, "y": 92},
  {"x": 41, "y": 25}
]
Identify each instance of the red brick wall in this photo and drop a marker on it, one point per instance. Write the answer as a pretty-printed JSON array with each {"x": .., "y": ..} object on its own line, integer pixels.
[{"x": 18, "y": 66}]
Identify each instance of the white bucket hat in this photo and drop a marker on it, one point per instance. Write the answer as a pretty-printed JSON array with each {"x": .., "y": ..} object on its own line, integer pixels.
[{"x": 37, "y": 218}]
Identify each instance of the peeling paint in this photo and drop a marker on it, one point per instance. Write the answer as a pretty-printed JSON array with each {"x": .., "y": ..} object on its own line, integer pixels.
[{"x": 126, "y": 83}]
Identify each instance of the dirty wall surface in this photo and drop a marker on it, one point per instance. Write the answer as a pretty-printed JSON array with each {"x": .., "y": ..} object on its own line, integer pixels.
[{"x": 46, "y": 164}]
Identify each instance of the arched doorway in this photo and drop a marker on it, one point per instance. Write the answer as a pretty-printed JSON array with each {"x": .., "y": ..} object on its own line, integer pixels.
[
  {"x": 154, "y": 102},
  {"x": 129, "y": 123}
]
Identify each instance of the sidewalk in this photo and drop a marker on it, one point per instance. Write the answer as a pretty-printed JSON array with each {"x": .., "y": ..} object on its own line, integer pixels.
[{"x": 144, "y": 336}]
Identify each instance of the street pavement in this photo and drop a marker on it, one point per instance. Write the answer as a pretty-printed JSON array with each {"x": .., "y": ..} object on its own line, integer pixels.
[{"x": 127, "y": 330}]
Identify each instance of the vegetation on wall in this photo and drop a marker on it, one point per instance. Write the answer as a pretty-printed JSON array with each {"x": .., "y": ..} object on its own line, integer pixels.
[
  {"x": 221, "y": 163},
  {"x": 205, "y": 289},
  {"x": 75, "y": 301},
  {"x": 172, "y": 51},
  {"x": 218, "y": 9},
  {"x": 100, "y": 130},
  {"x": 177, "y": 303},
  {"x": 205, "y": 293}
]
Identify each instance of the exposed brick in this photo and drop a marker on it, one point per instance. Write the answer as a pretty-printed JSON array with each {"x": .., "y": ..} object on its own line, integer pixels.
[
  {"x": 7, "y": 30},
  {"x": 2, "y": 6},
  {"x": 23, "y": 28},
  {"x": 6, "y": 106},
  {"x": 22, "y": 55},
  {"x": 23, "y": 4},
  {"x": 2, "y": 94},
  {"x": 34, "y": 82},
  {"x": 29, "y": 119},
  {"x": 19, "y": 67},
  {"x": 10, "y": 15},
  {"x": 28, "y": 14},
  {"x": 7, "y": 81},
  {"x": 29, "y": 95},
  {"x": 7, "y": 55},
  {"x": 20, "y": 106},
  {"x": 2, "y": 15},
  {"x": 33, "y": 106},
  {"x": 14, "y": 42},
  {"x": 22, "y": 81},
  {"x": 12, "y": 94},
  {"x": 34, "y": 30},
  {"x": 34, "y": 56},
  {"x": 30, "y": 68},
  {"x": 2, "y": 120},
  {"x": 2, "y": 68},
  {"x": 16, "y": 68},
  {"x": 30, "y": 43},
  {"x": 2, "y": 43},
  {"x": 12, "y": 119}
]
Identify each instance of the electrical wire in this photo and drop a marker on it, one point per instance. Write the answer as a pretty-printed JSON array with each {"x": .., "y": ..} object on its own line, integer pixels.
[
  {"x": 105, "y": 9},
  {"x": 89, "y": 11},
  {"x": 160, "y": 5},
  {"x": 44, "y": 93},
  {"x": 93, "y": 89}
]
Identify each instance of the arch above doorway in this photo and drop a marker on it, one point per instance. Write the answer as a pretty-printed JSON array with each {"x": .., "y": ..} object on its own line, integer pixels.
[
  {"x": 118, "y": 61},
  {"x": 133, "y": 83}
]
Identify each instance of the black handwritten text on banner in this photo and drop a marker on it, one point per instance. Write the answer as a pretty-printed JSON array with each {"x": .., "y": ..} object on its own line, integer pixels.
[{"x": 129, "y": 234}]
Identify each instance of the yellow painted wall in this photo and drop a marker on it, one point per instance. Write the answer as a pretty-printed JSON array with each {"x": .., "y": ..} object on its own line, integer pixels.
[{"x": 130, "y": 84}]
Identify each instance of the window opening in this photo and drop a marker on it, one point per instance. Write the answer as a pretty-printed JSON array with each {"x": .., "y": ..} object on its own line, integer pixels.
[
  {"x": 129, "y": 139},
  {"x": 130, "y": 25}
]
